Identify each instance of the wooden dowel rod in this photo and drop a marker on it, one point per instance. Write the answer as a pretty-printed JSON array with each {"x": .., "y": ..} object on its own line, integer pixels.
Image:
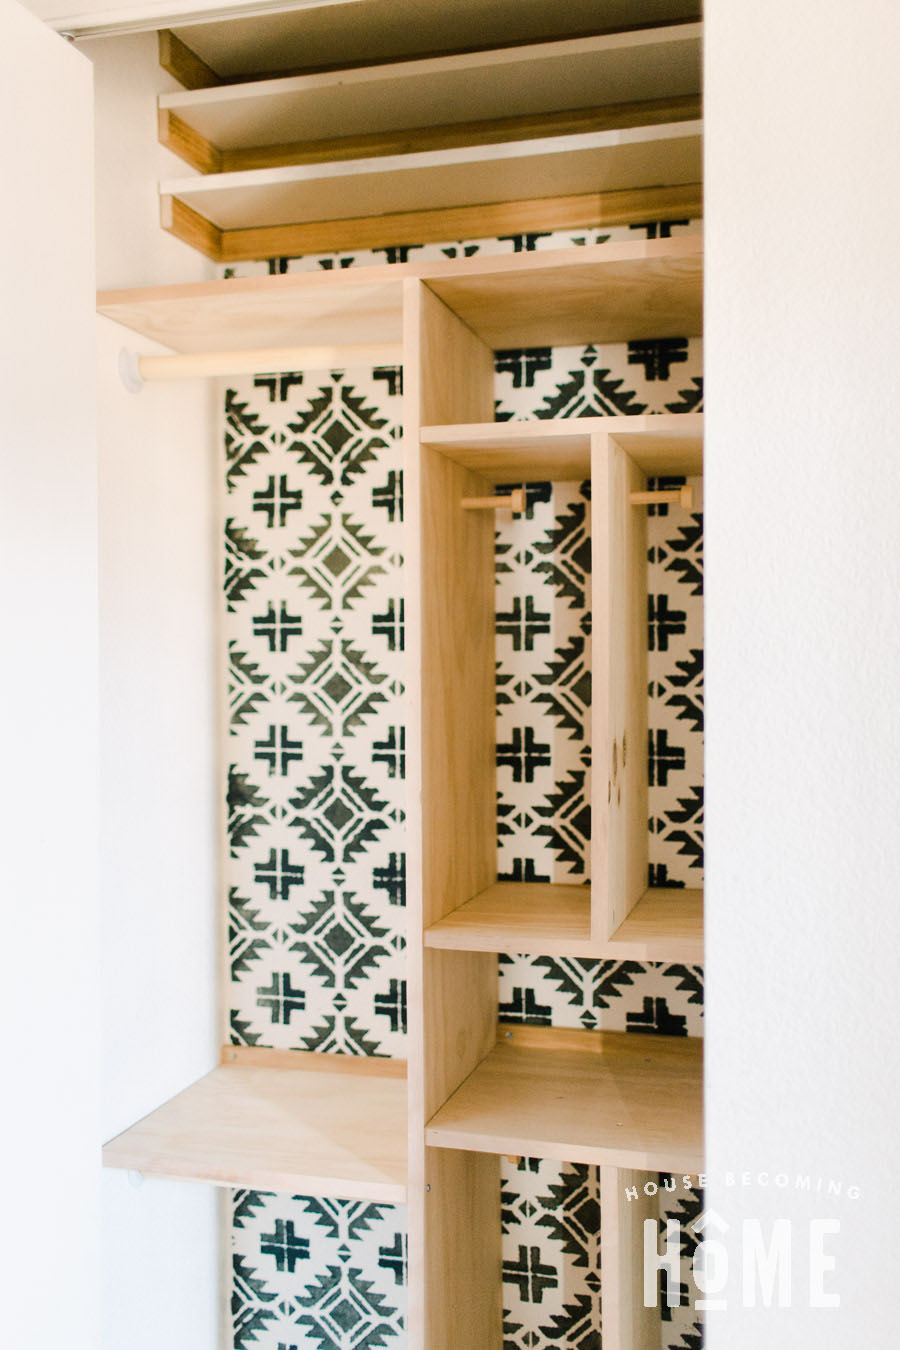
[
  {"x": 267, "y": 360},
  {"x": 515, "y": 502},
  {"x": 683, "y": 496}
]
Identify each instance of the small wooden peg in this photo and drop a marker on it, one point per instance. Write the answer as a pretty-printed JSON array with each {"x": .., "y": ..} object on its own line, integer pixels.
[
  {"x": 515, "y": 502},
  {"x": 683, "y": 496}
]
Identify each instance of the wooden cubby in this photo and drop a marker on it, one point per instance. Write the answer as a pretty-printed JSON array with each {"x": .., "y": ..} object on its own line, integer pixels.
[{"x": 476, "y": 1091}]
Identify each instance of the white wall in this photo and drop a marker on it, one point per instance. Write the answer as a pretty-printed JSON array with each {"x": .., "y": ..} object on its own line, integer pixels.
[
  {"x": 161, "y": 923},
  {"x": 132, "y": 249},
  {"x": 803, "y": 642},
  {"x": 160, "y": 915},
  {"x": 48, "y": 696}
]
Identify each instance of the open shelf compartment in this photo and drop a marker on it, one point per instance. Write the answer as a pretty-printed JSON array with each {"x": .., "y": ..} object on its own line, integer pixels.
[
  {"x": 289, "y": 1121},
  {"x": 618, "y": 1099},
  {"x": 466, "y": 907}
]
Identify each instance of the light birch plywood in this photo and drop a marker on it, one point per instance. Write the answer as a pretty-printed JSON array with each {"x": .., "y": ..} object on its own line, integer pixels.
[
  {"x": 516, "y": 917},
  {"x": 555, "y": 920},
  {"x": 452, "y": 996},
  {"x": 308, "y": 40},
  {"x": 627, "y": 1324},
  {"x": 407, "y": 140},
  {"x": 649, "y": 289},
  {"x": 563, "y": 74},
  {"x": 463, "y": 1276},
  {"x": 666, "y": 924},
  {"x": 607, "y": 161},
  {"x": 560, "y": 448},
  {"x": 601, "y": 290},
  {"x": 599, "y": 209},
  {"x": 619, "y": 844},
  {"x": 610, "y": 1098},
  {"x": 304, "y": 1124},
  {"x": 306, "y": 308}
]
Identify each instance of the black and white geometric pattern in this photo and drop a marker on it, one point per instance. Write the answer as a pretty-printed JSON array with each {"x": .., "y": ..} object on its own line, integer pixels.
[
  {"x": 314, "y": 1272},
  {"x": 316, "y": 873},
  {"x": 316, "y": 744}
]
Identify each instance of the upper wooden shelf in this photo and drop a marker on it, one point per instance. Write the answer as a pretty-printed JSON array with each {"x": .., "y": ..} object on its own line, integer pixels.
[
  {"x": 498, "y": 83},
  {"x": 599, "y": 293},
  {"x": 555, "y": 920},
  {"x": 607, "y": 161},
  {"x": 299, "y": 1123},
  {"x": 615, "y": 1098},
  {"x": 317, "y": 38},
  {"x": 558, "y": 449}
]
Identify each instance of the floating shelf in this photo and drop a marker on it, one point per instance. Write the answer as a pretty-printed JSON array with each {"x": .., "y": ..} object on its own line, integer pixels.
[
  {"x": 599, "y": 293},
  {"x": 616, "y": 1098},
  {"x": 626, "y": 79},
  {"x": 598, "y": 161},
  {"x": 560, "y": 448},
  {"x": 289, "y": 1121},
  {"x": 339, "y": 35},
  {"x": 527, "y": 918}
]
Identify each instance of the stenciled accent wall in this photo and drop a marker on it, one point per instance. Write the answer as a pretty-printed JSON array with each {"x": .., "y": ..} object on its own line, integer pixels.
[{"x": 316, "y": 752}]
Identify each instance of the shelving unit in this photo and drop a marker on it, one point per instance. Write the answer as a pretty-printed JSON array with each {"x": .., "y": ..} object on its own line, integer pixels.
[
  {"x": 476, "y": 1092},
  {"x": 587, "y": 117}
]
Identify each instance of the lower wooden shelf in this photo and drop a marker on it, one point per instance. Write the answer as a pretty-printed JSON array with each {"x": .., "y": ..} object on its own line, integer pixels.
[
  {"x": 555, "y": 920},
  {"x": 619, "y": 1099},
  {"x": 288, "y": 1121}
]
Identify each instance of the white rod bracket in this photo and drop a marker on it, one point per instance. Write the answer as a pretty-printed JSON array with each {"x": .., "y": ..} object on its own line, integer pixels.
[{"x": 130, "y": 371}]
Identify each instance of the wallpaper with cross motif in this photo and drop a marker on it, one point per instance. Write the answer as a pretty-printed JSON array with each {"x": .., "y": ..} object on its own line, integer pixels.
[{"x": 316, "y": 744}]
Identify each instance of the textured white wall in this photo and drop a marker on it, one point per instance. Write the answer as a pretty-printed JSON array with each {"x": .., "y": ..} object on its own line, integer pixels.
[
  {"x": 803, "y": 643},
  {"x": 48, "y": 696}
]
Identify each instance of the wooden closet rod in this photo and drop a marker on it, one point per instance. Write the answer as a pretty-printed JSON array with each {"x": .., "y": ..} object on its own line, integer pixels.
[
  {"x": 136, "y": 370},
  {"x": 514, "y": 502},
  {"x": 683, "y": 496}
]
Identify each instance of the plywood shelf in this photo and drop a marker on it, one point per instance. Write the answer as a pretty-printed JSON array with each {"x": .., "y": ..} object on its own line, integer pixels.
[
  {"x": 568, "y": 73},
  {"x": 599, "y": 293},
  {"x": 304, "y": 1124},
  {"x": 666, "y": 924},
  {"x": 519, "y": 917},
  {"x": 560, "y": 448},
  {"x": 316, "y": 39},
  {"x": 613, "y": 1098},
  {"x": 566, "y": 165},
  {"x": 528, "y": 918}
]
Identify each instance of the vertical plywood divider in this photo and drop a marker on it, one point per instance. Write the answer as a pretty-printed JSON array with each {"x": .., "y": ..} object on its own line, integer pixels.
[
  {"x": 619, "y": 723},
  {"x": 627, "y": 1324},
  {"x": 454, "y": 1198}
]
